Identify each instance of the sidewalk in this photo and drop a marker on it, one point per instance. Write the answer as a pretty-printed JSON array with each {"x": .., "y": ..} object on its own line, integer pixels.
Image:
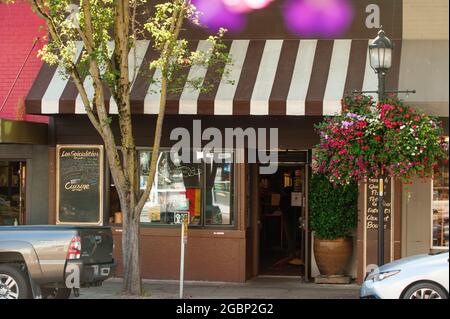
[{"x": 260, "y": 288}]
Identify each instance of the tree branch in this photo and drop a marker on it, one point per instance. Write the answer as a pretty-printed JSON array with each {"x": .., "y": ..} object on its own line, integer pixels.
[
  {"x": 177, "y": 22},
  {"x": 99, "y": 122}
]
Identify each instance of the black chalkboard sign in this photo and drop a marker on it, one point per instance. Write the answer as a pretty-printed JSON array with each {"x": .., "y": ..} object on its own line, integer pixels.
[
  {"x": 372, "y": 222},
  {"x": 79, "y": 175}
]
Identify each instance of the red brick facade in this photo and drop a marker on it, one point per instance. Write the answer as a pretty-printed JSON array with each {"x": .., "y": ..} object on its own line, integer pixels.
[{"x": 19, "y": 28}]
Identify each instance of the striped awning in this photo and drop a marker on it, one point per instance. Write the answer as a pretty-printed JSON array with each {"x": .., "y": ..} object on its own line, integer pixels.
[{"x": 271, "y": 77}]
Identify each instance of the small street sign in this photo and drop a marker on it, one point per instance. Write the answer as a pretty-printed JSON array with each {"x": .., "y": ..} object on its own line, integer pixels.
[{"x": 182, "y": 218}]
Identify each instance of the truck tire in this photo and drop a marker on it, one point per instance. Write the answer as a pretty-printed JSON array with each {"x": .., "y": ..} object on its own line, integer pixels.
[
  {"x": 425, "y": 290},
  {"x": 14, "y": 283},
  {"x": 56, "y": 293}
]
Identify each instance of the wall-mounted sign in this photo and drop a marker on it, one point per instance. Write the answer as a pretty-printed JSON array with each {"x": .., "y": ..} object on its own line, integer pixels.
[
  {"x": 79, "y": 184},
  {"x": 372, "y": 222},
  {"x": 179, "y": 217},
  {"x": 296, "y": 199},
  {"x": 372, "y": 204}
]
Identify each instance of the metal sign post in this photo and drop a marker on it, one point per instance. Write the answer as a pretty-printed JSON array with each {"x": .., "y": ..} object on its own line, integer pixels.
[{"x": 183, "y": 219}]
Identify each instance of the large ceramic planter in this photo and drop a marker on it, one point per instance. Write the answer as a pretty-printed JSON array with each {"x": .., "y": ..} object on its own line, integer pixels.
[{"x": 332, "y": 256}]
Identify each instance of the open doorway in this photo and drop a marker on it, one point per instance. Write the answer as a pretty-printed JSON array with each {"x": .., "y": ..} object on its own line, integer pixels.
[
  {"x": 281, "y": 211},
  {"x": 12, "y": 192}
]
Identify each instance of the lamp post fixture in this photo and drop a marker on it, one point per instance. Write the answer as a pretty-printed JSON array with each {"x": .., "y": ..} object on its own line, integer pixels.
[{"x": 380, "y": 51}]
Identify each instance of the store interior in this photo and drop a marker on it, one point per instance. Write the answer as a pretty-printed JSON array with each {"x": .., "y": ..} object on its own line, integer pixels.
[
  {"x": 12, "y": 192},
  {"x": 281, "y": 209}
]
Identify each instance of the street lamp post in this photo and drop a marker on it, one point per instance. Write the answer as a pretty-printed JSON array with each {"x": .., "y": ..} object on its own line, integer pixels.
[{"x": 380, "y": 51}]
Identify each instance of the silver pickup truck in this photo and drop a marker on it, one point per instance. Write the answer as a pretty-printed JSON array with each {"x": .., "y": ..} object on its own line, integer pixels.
[{"x": 51, "y": 261}]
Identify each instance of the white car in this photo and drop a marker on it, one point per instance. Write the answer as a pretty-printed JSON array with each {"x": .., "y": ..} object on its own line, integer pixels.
[{"x": 416, "y": 277}]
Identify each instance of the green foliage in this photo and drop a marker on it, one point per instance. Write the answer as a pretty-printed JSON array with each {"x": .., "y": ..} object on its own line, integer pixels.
[
  {"x": 333, "y": 209},
  {"x": 107, "y": 120},
  {"x": 175, "y": 56},
  {"x": 68, "y": 19},
  {"x": 73, "y": 24}
]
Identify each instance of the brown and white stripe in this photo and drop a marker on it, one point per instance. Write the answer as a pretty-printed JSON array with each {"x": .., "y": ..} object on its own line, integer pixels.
[{"x": 272, "y": 77}]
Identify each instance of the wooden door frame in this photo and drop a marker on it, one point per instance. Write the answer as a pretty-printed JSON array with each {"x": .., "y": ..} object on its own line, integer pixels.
[{"x": 256, "y": 223}]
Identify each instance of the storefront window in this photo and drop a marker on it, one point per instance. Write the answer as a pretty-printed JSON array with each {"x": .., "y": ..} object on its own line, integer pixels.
[
  {"x": 204, "y": 190},
  {"x": 440, "y": 207},
  {"x": 12, "y": 193},
  {"x": 219, "y": 193},
  {"x": 176, "y": 189}
]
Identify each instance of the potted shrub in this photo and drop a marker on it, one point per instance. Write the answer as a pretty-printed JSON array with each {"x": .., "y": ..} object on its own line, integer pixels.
[{"x": 333, "y": 216}]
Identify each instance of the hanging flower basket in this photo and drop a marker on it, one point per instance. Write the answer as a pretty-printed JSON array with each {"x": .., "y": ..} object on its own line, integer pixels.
[{"x": 369, "y": 140}]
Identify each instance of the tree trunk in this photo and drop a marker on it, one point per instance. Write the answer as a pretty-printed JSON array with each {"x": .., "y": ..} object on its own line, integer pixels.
[
  {"x": 130, "y": 253},
  {"x": 124, "y": 174}
]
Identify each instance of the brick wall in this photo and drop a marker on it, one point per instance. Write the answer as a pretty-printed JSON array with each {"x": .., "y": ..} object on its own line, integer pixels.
[{"x": 19, "y": 27}]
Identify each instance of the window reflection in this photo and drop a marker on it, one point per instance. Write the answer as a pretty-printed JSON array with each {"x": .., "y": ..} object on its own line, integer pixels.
[
  {"x": 176, "y": 189},
  {"x": 440, "y": 207},
  {"x": 203, "y": 189},
  {"x": 219, "y": 193}
]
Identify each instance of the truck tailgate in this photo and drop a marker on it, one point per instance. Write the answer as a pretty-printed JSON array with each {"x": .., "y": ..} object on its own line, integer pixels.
[{"x": 96, "y": 245}]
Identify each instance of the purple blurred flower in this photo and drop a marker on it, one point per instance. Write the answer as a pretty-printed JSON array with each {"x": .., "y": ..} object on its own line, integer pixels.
[
  {"x": 246, "y": 5},
  {"x": 215, "y": 15},
  {"x": 324, "y": 18}
]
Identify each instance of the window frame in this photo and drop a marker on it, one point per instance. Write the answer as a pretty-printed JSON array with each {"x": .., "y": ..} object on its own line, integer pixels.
[
  {"x": 233, "y": 215},
  {"x": 433, "y": 247},
  {"x": 232, "y": 226}
]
